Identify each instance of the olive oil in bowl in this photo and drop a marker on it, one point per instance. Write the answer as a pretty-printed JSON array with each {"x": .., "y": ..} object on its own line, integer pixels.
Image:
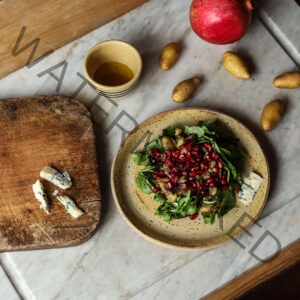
[
  {"x": 113, "y": 68},
  {"x": 113, "y": 74}
]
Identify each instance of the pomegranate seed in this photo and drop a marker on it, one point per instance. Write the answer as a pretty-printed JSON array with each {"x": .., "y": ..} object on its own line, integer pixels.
[
  {"x": 184, "y": 172},
  {"x": 183, "y": 185},
  {"x": 208, "y": 157},
  {"x": 173, "y": 177},
  {"x": 193, "y": 174},
  {"x": 194, "y": 216},
  {"x": 208, "y": 147},
  {"x": 169, "y": 162},
  {"x": 198, "y": 158},
  {"x": 205, "y": 166},
  {"x": 170, "y": 185},
  {"x": 215, "y": 155},
  {"x": 209, "y": 180},
  {"x": 176, "y": 153},
  {"x": 155, "y": 190},
  {"x": 220, "y": 164},
  {"x": 224, "y": 187},
  {"x": 215, "y": 170},
  {"x": 168, "y": 153},
  {"x": 223, "y": 182},
  {"x": 200, "y": 172}
]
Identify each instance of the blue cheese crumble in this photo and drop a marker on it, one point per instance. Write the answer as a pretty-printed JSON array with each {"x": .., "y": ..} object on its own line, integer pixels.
[
  {"x": 40, "y": 195},
  {"x": 249, "y": 187},
  {"x": 70, "y": 206},
  {"x": 62, "y": 181}
]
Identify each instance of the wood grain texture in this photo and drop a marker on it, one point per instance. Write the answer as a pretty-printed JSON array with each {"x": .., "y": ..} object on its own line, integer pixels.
[
  {"x": 55, "y": 23},
  {"x": 36, "y": 132},
  {"x": 236, "y": 288}
]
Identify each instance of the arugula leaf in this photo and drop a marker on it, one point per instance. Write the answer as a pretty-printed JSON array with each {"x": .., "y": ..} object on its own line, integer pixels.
[
  {"x": 154, "y": 144},
  {"x": 169, "y": 131},
  {"x": 160, "y": 198},
  {"x": 140, "y": 158},
  {"x": 144, "y": 180},
  {"x": 190, "y": 130},
  {"x": 207, "y": 124},
  {"x": 216, "y": 199},
  {"x": 148, "y": 169},
  {"x": 209, "y": 217},
  {"x": 228, "y": 202},
  {"x": 183, "y": 207}
]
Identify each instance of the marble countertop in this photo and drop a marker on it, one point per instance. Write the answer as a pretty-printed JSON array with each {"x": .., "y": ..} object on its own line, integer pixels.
[{"x": 117, "y": 263}]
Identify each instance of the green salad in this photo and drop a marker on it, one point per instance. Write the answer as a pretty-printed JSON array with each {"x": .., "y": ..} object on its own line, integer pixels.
[{"x": 191, "y": 171}]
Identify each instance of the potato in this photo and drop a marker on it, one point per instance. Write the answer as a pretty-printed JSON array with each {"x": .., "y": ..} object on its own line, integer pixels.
[
  {"x": 168, "y": 143},
  {"x": 185, "y": 89},
  {"x": 235, "y": 65},
  {"x": 271, "y": 115},
  {"x": 169, "y": 56},
  {"x": 289, "y": 80}
]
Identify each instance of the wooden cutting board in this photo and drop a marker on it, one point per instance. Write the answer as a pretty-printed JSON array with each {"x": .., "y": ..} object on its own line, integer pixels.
[
  {"x": 54, "y": 23},
  {"x": 37, "y": 132}
]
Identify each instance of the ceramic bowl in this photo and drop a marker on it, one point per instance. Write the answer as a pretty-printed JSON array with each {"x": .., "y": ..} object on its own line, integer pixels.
[
  {"x": 138, "y": 208},
  {"x": 113, "y": 51}
]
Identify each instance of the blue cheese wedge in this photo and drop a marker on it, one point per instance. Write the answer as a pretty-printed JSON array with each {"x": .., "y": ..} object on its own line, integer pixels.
[
  {"x": 52, "y": 175},
  {"x": 40, "y": 195},
  {"x": 70, "y": 206},
  {"x": 253, "y": 180},
  {"x": 249, "y": 187},
  {"x": 247, "y": 193}
]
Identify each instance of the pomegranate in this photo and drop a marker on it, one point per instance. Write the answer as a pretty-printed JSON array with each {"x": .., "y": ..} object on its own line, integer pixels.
[{"x": 221, "y": 21}]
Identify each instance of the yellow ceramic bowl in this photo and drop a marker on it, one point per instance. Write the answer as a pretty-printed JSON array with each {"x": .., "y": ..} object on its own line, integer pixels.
[{"x": 113, "y": 51}]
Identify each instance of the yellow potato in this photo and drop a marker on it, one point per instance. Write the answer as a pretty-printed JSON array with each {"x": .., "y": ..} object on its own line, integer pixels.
[
  {"x": 289, "y": 80},
  {"x": 169, "y": 56},
  {"x": 271, "y": 115},
  {"x": 168, "y": 143},
  {"x": 235, "y": 65},
  {"x": 185, "y": 89}
]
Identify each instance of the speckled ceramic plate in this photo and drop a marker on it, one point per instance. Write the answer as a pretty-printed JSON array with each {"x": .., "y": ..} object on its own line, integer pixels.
[{"x": 138, "y": 208}]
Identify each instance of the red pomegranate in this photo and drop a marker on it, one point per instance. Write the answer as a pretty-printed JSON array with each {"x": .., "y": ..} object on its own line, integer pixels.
[{"x": 221, "y": 21}]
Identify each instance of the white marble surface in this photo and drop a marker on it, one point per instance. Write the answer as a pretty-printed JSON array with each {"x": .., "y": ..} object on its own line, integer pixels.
[
  {"x": 116, "y": 263},
  {"x": 6, "y": 288}
]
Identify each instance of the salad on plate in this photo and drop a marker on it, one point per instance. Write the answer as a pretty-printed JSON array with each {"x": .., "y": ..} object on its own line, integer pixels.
[{"x": 191, "y": 171}]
